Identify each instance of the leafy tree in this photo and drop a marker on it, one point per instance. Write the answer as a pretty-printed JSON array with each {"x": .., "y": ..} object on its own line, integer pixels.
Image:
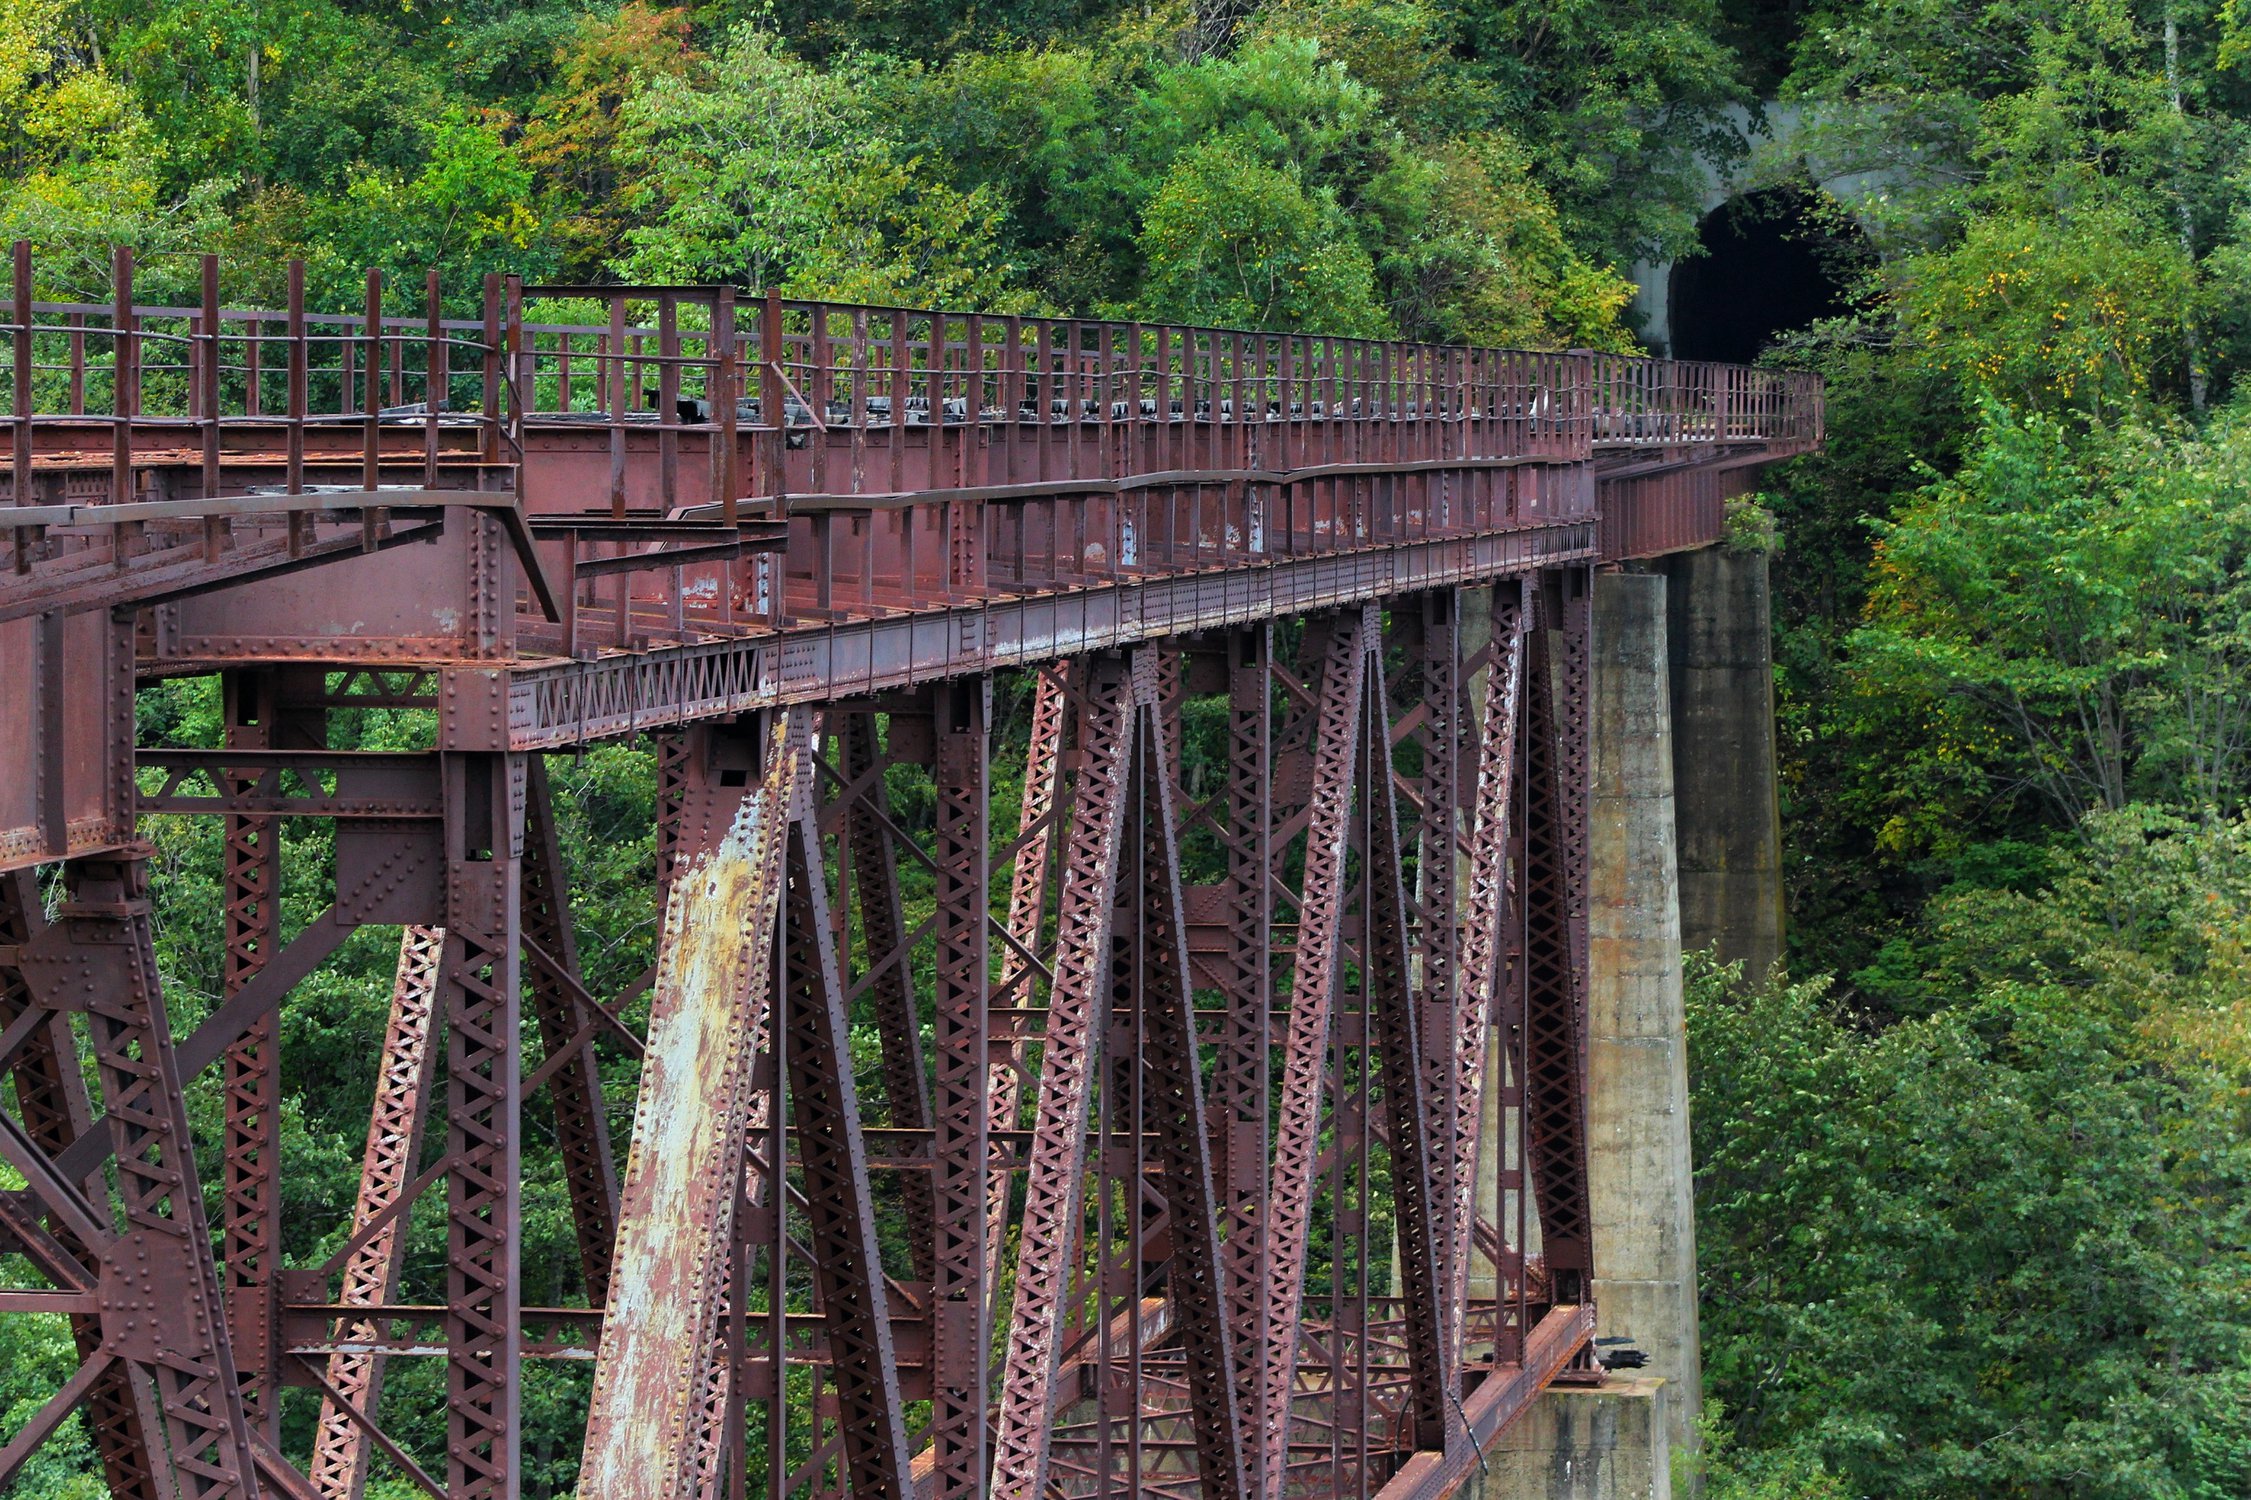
[
  {"x": 1999, "y": 1249},
  {"x": 2067, "y": 618},
  {"x": 1234, "y": 242},
  {"x": 767, "y": 171}
]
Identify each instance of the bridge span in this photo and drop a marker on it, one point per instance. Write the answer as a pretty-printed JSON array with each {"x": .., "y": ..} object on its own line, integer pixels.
[{"x": 1119, "y": 1022}]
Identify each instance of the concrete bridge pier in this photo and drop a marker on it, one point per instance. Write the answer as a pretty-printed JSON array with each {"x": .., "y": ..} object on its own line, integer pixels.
[
  {"x": 1615, "y": 1443},
  {"x": 1720, "y": 640}
]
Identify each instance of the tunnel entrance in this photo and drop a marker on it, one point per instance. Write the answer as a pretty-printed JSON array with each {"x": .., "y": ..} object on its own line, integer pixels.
[{"x": 1770, "y": 266}]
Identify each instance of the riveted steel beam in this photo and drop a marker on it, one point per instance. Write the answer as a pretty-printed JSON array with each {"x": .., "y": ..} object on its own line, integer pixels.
[
  {"x": 1337, "y": 731},
  {"x": 566, "y": 1031},
  {"x": 1480, "y": 975},
  {"x": 1397, "y": 1023},
  {"x": 839, "y": 1197},
  {"x": 961, "y": 1140},
  {"x": 404, "y": 1075},
  {"x": 1173, "y": 1104},
  {"x": 677, "y": 1202},
  {"x": 51, "y": 1101},
  {"x": 1077, "y": 1002}
]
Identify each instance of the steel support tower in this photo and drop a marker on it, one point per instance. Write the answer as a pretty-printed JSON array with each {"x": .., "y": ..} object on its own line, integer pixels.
[{"x": 1122, "y": 1135}]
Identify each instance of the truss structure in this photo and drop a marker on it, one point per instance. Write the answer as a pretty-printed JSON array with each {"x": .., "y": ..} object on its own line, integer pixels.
[{"x": 1121, "y": 854}]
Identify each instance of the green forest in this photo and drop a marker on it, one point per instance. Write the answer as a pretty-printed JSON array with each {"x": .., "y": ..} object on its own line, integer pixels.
[{"x": 1974, "y": 1170}]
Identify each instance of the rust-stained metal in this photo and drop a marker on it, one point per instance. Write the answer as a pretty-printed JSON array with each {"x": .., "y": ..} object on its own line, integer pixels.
[
  {"x": 942, "y": 537},
  {"x": 1480, "y": 976},
  {"x": 1337, "y": 732},
  {"x": 404, "y": 1075},
  {"x": 714, "y": 980},
  {"x": 1077, "y": 1000}
]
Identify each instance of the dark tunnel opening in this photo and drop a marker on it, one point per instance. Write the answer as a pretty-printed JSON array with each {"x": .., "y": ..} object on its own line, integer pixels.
[{"x": 1771, "y": 266}]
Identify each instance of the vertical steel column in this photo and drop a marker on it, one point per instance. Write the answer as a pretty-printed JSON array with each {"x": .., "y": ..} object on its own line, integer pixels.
[
  {"x": 961, "y": 1143},
  {"x": 1240, "y": 1078},
  {"x": 1555, "y": 884},
  {"x": 1027, "y": 912},
  {"x": 1173, "y": 1108},
  {"x": 1471, "y": 1034},
  {"x": 582, "y": 1126},
  {"x": 250, "y": 1078},
  {"x": 479, "y": 980},
  {"x": 1077, "y": 1001},
  {"x": 1446, "y": 741},
  {"x": 394, "y": 1148},
  {"x": 839, "y": 1198},
  {"x": 1337, "y": 733},
  {"x": 51, "y": 1101},
  {"x": 1397, "y": 1034},
  {"x": 645, "y": 1435}
]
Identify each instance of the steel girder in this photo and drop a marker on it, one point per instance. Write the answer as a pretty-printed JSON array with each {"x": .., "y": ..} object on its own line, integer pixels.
[
  {"x": 1337, "y": 731},
  {"x": 1078, "y": 1002}
]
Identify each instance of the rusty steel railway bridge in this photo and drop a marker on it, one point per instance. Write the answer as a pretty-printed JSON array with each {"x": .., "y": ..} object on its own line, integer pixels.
[{"x": 1127, "y": 1117}]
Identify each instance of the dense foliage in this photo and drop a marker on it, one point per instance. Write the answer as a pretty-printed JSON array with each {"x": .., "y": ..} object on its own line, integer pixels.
[{"x": 1972, "y": 1173}]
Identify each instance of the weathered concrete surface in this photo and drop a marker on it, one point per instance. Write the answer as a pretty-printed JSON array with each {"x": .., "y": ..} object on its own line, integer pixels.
[
  {"x": 1637, "y": 1104},
  {"x": 1721, "y": 647},
  {"x": 1574, "y": 1444}
]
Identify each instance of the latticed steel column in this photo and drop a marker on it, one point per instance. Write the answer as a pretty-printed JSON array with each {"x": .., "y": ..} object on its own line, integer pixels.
[
  {"x": 874, "y": 868},
  {"x": 961, "y": 1142},
  {"x": 1555, "y": 886},
  {"x": 479, "y": 980},
  {"x": 403, "y": 1081},
  {"x": 1489, "y": 905},
  {"x": 121, "y": 1409},
  {"x": 566, "y": 1032},
  {"x": 839, "y": 1198},
  {"x": 1078, "y": 998},
  {"x": 1397, "y": 1027},
  {"x": 646, "y": 1435},
  {"x": 1240, "y": 1074},
  {"x": 1037, "y": 828},
  {"x": 162, "y": 1307},
  {"x": 260, "y": 714},
  {"x": 1172, "y": 1102},
  {"x": 1336, "y": 736}
]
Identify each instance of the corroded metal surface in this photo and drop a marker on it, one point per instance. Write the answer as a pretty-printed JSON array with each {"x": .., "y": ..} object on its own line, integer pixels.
[
  {"x": 712, "y": 992},
  {"x": 1161, "y": 568}
]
